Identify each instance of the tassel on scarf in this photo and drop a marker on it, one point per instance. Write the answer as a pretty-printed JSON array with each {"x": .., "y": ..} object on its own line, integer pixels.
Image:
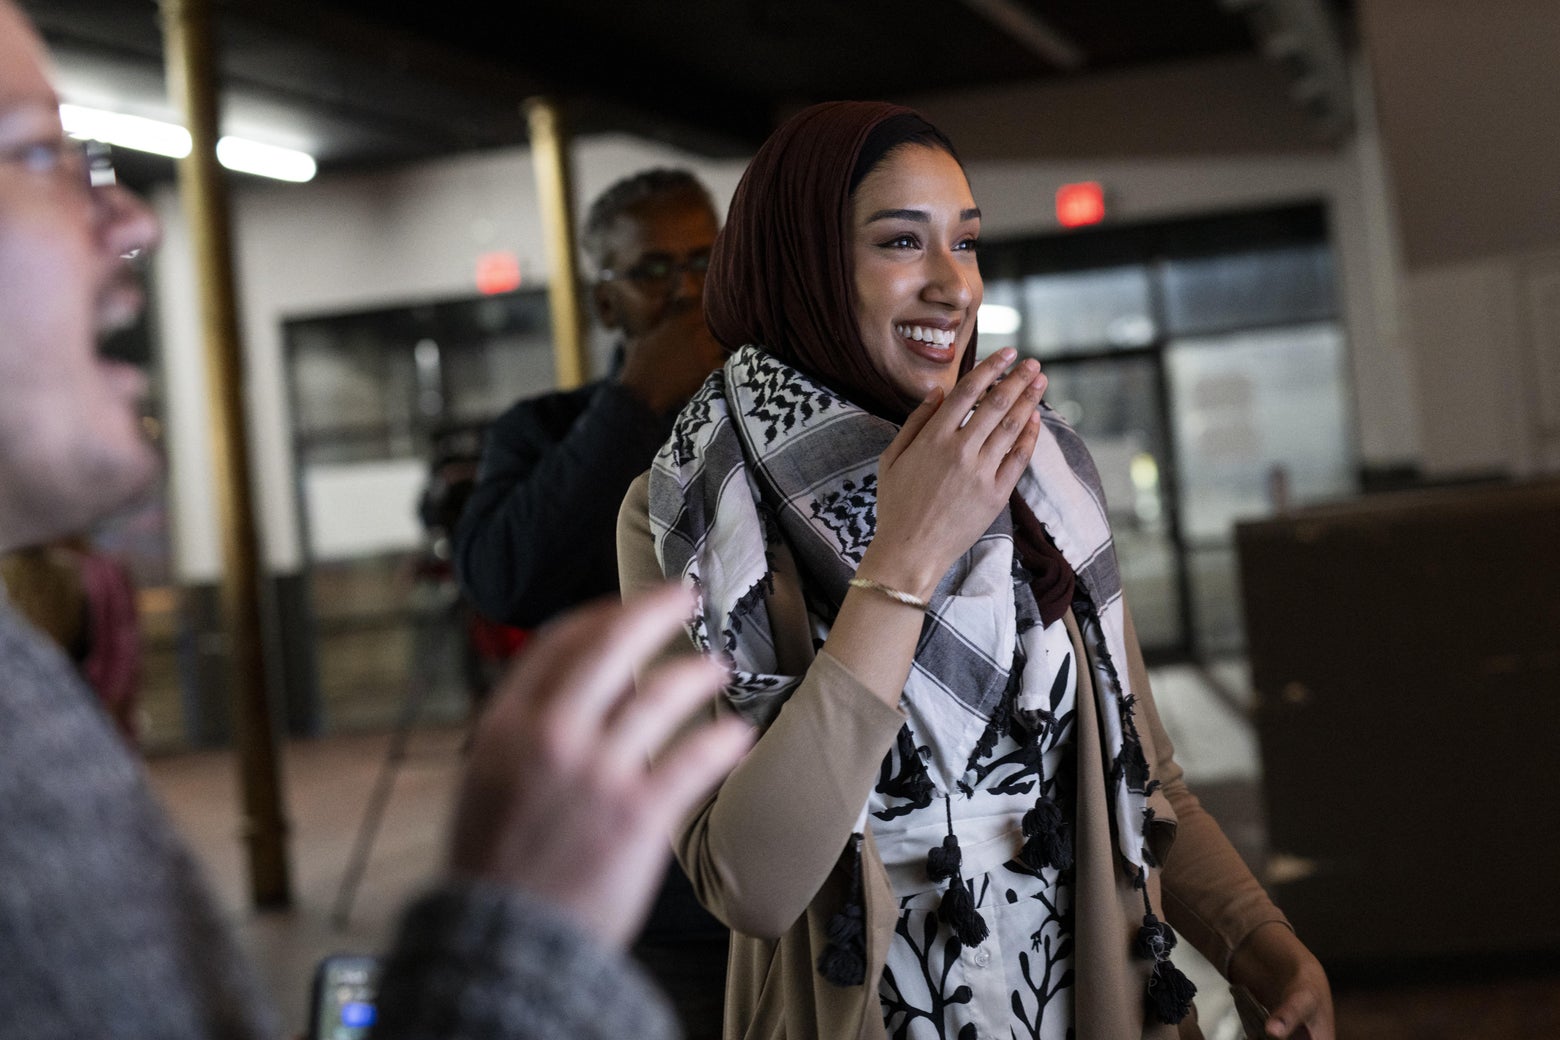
[
  {"x": 957, "y": 908},
  {"x": 1170, "y": 993},
  {"x": 844, "y": 960},
  {"x": 1155, "y": 939},
  {"x": 1048, "y": 839},
  {"x": 958, "y": 913},
  {"x": 944, "y": 861}
]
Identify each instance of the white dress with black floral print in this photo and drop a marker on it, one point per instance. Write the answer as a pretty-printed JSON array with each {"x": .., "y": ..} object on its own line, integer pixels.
[{"x": 1018, "y": 982}]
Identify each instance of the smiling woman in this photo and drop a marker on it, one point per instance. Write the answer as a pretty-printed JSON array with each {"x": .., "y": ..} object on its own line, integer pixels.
[{"x": 961, "y": 804}]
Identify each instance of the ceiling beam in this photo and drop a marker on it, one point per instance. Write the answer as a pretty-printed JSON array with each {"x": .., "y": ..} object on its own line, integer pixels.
[{"x": 1029, "y": 29}]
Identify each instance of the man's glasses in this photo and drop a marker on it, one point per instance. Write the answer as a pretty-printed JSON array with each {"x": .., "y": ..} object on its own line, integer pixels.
[
  {"x": 89, "y": 164},
  {"x": 97, "y": 160},
  {"x": 659, "y": 274}
]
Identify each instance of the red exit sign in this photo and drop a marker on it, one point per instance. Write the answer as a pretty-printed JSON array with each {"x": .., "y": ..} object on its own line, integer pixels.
[
  {"x": 498, "y": 272},
  {"x": 1081, "y": 204}
]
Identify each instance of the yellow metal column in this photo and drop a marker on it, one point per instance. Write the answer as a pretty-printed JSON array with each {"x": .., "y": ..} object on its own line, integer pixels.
[
  {"x": 192, "y": 83},
  {"x": 554, "y": 190}
]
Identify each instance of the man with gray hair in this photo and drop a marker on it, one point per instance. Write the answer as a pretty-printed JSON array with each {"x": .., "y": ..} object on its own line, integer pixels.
[{"x": 539, "y": 532}]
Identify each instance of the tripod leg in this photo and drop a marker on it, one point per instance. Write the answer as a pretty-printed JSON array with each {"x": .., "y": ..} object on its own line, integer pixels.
[
  {"x": 373, "y": 814},
  {"x": 429, "y": 634}
]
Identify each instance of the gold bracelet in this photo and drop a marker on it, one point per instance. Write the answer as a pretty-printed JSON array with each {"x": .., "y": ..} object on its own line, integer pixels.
[{"x": 892, "y": 593}]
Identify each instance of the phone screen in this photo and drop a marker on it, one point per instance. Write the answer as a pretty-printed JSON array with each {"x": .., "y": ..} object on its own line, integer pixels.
[{"x": 344, "y": 992}]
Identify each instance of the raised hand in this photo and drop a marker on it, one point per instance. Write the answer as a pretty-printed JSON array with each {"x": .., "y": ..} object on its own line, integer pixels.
[
  {"x": 560, "y": 798},
  {"x": 665, "y": 365},
  {"x": 950, "y": 470}
]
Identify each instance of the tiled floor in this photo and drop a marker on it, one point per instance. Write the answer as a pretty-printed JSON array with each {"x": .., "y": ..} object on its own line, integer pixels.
[{"x": 329, "y": 781}]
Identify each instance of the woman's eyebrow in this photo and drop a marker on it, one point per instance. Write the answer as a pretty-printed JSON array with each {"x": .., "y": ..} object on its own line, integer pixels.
[{"x": 918, "y": 216}]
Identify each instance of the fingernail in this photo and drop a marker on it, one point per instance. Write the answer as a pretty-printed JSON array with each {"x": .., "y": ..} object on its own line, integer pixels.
[{"x": 1007, "y": 353}]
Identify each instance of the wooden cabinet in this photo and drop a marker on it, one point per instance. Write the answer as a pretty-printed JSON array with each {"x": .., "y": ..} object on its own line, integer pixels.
[{"x": 1405, "y": 651}]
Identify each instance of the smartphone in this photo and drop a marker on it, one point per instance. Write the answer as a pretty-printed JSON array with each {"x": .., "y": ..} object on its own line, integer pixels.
[{"x": 343, "y": 1004}]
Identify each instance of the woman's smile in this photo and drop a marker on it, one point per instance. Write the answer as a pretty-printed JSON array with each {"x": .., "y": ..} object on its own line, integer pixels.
[{"x": 934, "y": 344}]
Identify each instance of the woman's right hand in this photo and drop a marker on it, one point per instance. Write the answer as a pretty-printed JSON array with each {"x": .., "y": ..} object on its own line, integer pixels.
[{"x": 943, "y": 479}]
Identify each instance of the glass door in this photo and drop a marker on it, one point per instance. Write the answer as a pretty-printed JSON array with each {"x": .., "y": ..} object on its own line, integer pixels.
[
  {"x": 377, "y": 398},
  {"x": 1204, "y": 364}
]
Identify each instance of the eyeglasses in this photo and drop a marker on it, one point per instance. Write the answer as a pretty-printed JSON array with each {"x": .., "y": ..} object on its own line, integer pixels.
[
  {"x": 97, "y": 160},
  {"x": 659, "y": 273},
  {"x": 89, "y": 163}
]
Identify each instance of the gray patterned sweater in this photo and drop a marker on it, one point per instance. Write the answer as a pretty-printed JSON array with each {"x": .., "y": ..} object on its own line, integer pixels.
[{"x": 106, "y": 929}]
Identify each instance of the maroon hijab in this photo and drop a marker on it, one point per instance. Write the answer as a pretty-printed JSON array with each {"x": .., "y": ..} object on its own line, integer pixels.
[
  {"x": 780, "y": 275},
  {"x": 780, "y": 271}
]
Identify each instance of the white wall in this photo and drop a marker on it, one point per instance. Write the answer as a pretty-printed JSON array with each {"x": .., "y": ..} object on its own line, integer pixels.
[
  {"x": 1487, "y": 334},
  {"x": 1468, "y": 101}
]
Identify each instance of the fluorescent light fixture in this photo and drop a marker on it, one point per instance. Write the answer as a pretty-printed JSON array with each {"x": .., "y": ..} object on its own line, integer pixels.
[
  {"x": 171, "y": 140},
  {"x": 998, "y": 319},
  {"x": 265, "y": 160},
  {"x": 135, "y": 132}
]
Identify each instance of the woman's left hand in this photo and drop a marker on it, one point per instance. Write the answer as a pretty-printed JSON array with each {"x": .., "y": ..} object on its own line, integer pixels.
[{"x": 1288, "y": 980}]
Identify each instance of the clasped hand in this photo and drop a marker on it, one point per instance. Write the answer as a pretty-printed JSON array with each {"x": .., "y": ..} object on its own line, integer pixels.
[{"x": 951, "y": 469}]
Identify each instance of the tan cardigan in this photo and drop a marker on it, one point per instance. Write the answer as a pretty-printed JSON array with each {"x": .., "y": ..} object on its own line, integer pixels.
[{"x": 764, "y": 849}]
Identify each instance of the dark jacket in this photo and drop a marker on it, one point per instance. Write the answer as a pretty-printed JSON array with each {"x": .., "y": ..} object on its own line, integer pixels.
[{"x": 538, "y": 533}]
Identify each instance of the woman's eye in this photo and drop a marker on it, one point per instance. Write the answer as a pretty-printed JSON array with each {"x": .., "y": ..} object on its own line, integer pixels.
[
  {"x": 969, "y": 245},
  {"x": 901, "y": 242}
]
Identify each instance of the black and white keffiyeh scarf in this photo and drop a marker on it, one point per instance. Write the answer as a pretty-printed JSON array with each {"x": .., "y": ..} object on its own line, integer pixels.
[{"x": 766, "y": 461}]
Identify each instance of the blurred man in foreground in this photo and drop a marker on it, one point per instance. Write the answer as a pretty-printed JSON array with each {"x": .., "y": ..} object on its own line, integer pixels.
[{"x": 105, "y": 927}]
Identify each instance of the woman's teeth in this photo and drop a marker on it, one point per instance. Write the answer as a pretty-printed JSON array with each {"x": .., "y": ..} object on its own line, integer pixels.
[{"x": 942, "y": 337}]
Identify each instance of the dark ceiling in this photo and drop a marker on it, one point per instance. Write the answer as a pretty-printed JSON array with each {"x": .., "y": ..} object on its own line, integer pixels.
[{"x": 370, "y": 82}]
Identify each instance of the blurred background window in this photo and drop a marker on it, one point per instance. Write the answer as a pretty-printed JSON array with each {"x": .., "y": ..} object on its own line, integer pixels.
[
  {"x": 378, "y": 399},
  {"x": 1205, "y": 363},
  {"x": 1085, "y": 311},
  {"x": 1286, "y": 285}
]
